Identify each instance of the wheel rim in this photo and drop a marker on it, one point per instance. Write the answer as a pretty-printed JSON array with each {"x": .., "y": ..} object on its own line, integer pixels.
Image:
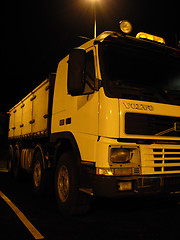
[
  {"x": 63, "y": 183},
  {"x": 37, "y": 173}
]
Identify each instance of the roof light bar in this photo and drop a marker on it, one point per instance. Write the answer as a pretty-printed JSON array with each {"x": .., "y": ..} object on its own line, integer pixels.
[{"x": 142, "y": 35}]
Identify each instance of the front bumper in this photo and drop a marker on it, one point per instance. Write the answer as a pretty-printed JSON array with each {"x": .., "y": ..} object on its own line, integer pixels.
[{"x": 109, "y": 186}]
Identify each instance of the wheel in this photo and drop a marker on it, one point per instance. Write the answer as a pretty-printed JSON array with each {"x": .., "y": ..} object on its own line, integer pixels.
[
  {"x": 17, "y": 164},
  {"x": 10, "y": 160},
  {"x": 39, "y": 174},
  {"x": 70, "y": 200}
]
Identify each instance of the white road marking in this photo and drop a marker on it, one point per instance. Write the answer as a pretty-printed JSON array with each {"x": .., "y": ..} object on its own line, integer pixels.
[
  {"x": 22, "y": 217},
  {"x": 3, "y": 170}
]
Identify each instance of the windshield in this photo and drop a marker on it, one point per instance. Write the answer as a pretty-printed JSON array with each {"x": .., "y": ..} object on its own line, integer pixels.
[{"x": 138, "y": 72}]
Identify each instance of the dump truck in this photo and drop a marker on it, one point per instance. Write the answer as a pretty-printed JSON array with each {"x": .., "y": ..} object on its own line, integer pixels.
[{"x": 106, "y": 124}]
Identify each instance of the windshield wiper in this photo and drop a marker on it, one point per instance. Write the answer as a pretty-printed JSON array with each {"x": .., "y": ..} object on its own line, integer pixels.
[{"x": 175, "y": 128}]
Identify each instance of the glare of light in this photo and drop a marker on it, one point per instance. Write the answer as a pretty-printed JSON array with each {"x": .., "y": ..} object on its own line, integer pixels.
[{"x": 94, "y": 2}]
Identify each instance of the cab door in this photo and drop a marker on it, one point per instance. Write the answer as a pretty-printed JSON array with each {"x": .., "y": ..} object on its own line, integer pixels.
[
  {"x": 87, "y": 103},
  {"x": 86, "y": 112}
]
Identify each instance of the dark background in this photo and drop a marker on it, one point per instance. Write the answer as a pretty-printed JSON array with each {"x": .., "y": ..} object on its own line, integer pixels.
[{"x": 37, "y": 34}]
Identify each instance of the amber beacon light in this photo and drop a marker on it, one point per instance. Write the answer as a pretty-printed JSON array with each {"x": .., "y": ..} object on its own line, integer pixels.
[
  {"x": 142, "y": 35},
  {"x": 125, "y": 26}
]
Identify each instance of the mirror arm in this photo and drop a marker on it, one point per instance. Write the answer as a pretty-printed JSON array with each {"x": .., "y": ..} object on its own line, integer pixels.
[{"x": 98, "y": 84}]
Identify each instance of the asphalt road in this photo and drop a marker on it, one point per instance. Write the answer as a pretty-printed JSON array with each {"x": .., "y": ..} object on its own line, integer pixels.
[{"x": 144, "y": 218}]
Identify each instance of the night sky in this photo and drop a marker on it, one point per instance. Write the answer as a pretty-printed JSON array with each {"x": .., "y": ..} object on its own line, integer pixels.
[{"x": 37, "y": 34}]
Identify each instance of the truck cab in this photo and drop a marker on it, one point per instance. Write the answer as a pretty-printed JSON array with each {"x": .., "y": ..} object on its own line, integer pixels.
[{"x": 120, "y": 101}]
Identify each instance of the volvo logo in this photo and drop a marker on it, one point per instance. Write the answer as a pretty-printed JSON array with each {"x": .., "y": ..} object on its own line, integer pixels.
[{"x": 138, "y": 106}]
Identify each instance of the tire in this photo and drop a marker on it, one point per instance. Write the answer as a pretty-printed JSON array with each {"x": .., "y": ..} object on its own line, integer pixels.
[
  {"x": 10, "y": 160},
  {"x": 70, "y": 200},
  {"x": 39, "y": 174},
  {"x": 17, "y": 171}
]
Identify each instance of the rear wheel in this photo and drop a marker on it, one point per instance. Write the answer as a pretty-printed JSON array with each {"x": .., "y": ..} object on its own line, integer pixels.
[
  {"x": 10, "y": 159},
  {"x": 70, "y": 200},
  {"x": 17, "y": 171}
]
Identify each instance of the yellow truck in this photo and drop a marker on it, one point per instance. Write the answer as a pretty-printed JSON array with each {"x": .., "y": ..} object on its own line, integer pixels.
[{"x": 107, "y": 124}]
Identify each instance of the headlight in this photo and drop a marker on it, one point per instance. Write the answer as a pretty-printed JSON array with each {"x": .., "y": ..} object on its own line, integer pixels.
[
  {"x": 120, "y": 155},
  {"x": 105, "y": 171}
]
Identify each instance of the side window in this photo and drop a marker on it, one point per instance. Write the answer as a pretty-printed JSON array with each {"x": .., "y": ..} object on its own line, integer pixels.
[{"x": 90, "y": 73}]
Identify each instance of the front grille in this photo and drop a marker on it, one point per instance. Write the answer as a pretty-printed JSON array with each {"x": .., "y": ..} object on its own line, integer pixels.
[
  {"x": 166, "y": 159},
  {"x": 147, "y": 124},
  {"x": 160, "y": 159}
]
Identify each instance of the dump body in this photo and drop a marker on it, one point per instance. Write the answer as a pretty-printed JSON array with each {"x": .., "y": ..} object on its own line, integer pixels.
[{"x": 30, "y": 117}]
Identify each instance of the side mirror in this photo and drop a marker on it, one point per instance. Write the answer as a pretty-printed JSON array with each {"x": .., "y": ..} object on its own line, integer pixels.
[{"x": 76, "y": 72}]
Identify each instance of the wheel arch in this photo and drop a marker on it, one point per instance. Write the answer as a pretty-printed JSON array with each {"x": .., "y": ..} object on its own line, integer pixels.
[
  {"x": 17, "y": 147},
  {"x": 65, "y": 142}
]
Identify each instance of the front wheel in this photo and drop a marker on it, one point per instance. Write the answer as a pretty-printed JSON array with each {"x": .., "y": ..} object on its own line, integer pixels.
[
  {"x": 70, "y": 200},
  {"x": 39, "y": 174}
]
